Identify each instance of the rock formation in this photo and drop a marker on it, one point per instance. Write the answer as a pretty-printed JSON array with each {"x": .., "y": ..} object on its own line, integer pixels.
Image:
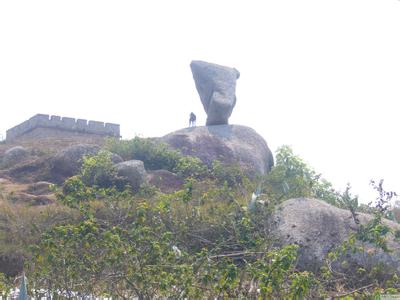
[
  {"x": 133, "y": 171},
  {"x": 14, "y": 155},
  {"x": 318, "y": 228},
  {"x": 68, "y": 161},
  {"x": 230, "y": 144},
  {"x": 216, "y": 86}
]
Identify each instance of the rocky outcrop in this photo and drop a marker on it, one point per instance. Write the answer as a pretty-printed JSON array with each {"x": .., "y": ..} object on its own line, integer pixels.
[
  {"x": 318, "y": 228},
  {"x": 230, "y": 144},
  {"x": 14, "y": 155},
  {"x": 216, "y": 86},
  {"x": 133, "y": 171},
  {"x": 68, "y": 161}
]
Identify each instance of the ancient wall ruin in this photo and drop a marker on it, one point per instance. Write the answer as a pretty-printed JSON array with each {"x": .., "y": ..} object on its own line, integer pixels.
[{"x": 63, "y": 124}]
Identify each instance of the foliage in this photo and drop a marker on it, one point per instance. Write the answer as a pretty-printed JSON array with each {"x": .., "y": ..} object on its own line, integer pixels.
[
  {"x": 189, "y": 166},
  {"x": 199, "y": 242},
  {"x": 155, "y": 155},
  {"x": 98, "y": 174},
  {"x": 22, "y": 226},
  {"x": 181, "y": 245},
  {"x": 291, "y": 177},
  {"x": 5, "y": 285},
  {"x": 231, "y": 174},
  {"x": 99, "y": 170},
  {"x": 350, "y": 202},
  {"x": 368, "y": 241}
]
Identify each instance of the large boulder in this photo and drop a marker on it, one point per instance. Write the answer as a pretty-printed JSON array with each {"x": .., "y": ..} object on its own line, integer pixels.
[
  {"x": 318, "y": 228},
  {"x": 68, "y": 161},
  {"x": 230, "y": 144},
  {"x": 14, "y": 155},
  {"x": 133, "y": 171},
  {"x": 216, "y": 86}
]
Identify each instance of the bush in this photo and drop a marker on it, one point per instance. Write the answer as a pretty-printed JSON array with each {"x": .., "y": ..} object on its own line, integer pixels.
[
  {"x": 232, "y": 175},
  {"x": 189, "y": 166},
  {"x": 170, "y": 246},
  {"x": 155, "y": 155},
  {"x": 291, "y": 177}
]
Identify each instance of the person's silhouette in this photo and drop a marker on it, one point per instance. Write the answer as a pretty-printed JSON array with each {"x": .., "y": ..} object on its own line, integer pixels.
[{"x": 192, "y": 120}]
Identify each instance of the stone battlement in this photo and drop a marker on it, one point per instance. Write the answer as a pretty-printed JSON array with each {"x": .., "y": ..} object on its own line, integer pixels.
[{"x": 63, "y": 123}]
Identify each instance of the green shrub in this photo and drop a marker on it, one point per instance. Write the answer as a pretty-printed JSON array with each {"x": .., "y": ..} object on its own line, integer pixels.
[
  {"x": 155, "y": 155},
  {"x": 291, "y": 177},
  {"x": 189, "y": 166},
  {"x": 231, "y": 174}
]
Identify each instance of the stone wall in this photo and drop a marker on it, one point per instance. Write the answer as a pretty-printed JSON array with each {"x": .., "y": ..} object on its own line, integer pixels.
[{"x": 63, "y": 124}]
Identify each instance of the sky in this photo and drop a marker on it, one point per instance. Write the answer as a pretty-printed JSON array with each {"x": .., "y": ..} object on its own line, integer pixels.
[{"x": 321, "y": 76}]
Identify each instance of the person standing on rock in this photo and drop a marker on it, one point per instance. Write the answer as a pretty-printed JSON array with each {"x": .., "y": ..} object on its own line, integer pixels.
[{"x": 192, "y": 120}]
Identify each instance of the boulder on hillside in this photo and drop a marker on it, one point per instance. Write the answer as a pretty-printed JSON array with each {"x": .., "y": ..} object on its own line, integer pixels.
[
  {"x": 166, "y": 181},
  {"x": 68, "y": 161},
  {"x": 133, "y": 171},
  {"x": 14, "y": 155},
  {"x": 230, "y": 144},
  {"x": 318, "y": 227}
]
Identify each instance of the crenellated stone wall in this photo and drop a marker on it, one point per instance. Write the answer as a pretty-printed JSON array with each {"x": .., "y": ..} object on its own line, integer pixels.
[{"x": 63, "y": 124}]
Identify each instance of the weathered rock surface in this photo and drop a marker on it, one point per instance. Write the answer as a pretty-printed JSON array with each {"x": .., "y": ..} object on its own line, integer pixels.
[
  {"x": 230, "y": 144},
  {"x": 68, "y": 161},
  {"x": 14, "y": 155},
  {"x": 116, "y": 159},
  {"x": 133, "y": 171},
  {"x": 318, "y": 227},
  {"x": 216, "y": 86},
  {"x": 166, "y": 181}
]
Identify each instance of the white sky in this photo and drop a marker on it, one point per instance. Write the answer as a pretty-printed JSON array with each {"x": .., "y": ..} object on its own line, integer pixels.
[{"x": 322, "y": 76}]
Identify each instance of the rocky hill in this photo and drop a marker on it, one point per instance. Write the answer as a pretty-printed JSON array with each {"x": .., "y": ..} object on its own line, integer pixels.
[{"x": 202, "y": 212}]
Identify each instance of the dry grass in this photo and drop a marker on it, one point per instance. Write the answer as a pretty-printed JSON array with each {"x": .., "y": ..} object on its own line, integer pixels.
[{"x": 22, "y": 226}]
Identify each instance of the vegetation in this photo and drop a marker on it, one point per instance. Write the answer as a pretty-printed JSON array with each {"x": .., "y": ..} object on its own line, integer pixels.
[
  {"x": 202, "y": 241},
  {"x": 155, "y": 155}
]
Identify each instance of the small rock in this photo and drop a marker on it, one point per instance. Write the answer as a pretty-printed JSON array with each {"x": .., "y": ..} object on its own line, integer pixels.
[{"x": 115, "y": 158}]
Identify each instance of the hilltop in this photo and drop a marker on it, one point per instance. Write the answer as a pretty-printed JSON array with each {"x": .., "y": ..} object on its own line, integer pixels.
[{"x": 205, "y": 204}]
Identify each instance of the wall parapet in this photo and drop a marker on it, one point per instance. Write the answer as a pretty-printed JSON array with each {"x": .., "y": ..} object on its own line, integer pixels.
[{"x": 64, "y": 123}]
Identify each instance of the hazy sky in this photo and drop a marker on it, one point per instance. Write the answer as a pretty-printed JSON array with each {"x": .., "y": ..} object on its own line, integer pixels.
[{"x": 322, "y": 76}]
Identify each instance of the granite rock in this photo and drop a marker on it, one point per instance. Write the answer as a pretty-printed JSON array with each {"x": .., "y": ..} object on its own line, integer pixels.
[
  {"x": 14, "y": 155},
  {"x": 230, "y": 144},
  {"x": 133, "y": 172},
  {"x": 216, "y": 86}
]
